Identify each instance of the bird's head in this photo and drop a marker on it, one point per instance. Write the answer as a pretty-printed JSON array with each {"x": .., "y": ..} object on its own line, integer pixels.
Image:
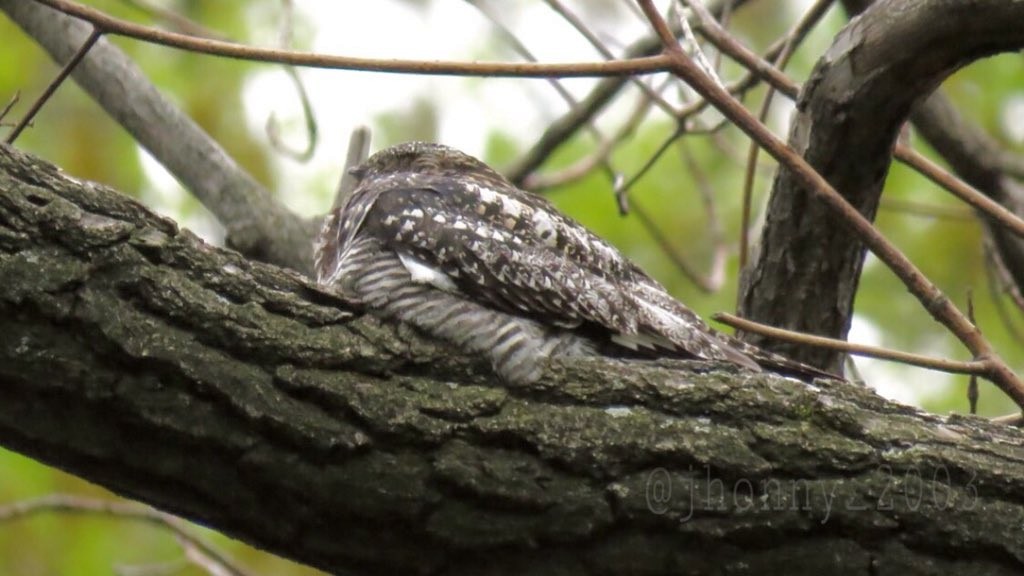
[{"x": 424, "y": 158}]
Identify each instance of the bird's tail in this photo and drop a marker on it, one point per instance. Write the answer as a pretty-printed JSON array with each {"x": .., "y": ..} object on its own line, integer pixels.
[{"x": 778, "y": 363}]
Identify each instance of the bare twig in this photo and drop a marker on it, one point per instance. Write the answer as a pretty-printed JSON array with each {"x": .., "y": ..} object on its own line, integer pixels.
[
  {"x": 539, "y": 181},
  {"x": 940, "y": 364},
  {"x": 594, "y": 41},
  {"x": 777, "y": 80},
  {"x": 961, "y": 189},
  {"x": 513, "y": 40},
  {"x": 52, "y": 87},
  {"x": 257, "y": 224},
  {"x": 66, "y": 503},
  {"x": 699, "y": 58},
  {"x": 927, "y": 210},
  {"x": 273, "y": 127},
  {"x": 1015, "y": 419},
  {"x": 933, "y": 300},
  {"x": 110, "y": 25},
  {"x": 1000, "y": 282},
  {"x": 972, "y": 382},
  {"x": 562, "y": 130},
  {"x": 10, "y": 104},
  {"x": 622, "y": 191},
  {"x": 715, "y": 277},
  {"x": 174, "y": 20}
]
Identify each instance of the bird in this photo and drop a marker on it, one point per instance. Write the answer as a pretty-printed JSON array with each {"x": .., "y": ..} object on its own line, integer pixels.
[{"x": 435, "y": 238}]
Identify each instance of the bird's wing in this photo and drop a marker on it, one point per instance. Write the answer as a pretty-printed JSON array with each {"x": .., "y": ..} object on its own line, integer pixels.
[
  {"x": 489, "y": 260},
  {"x": 514, "y": 252}
]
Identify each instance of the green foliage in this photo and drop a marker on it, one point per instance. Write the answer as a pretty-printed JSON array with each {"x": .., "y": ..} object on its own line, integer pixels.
[{"x": 66, "y": 543}]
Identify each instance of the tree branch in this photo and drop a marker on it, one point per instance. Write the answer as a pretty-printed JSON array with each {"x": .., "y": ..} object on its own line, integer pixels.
[
  {"x": 214, "y": 47},
  {"x": 234, "y": 393},
  {"x": 257, "y": 224},
  {"x": 979, "y": 160},
  {"x": 850, "y": 111}
]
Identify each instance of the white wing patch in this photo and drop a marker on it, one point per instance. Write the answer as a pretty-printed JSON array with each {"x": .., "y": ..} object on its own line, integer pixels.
[
  {"x": 422, "y": 273},
  {"x": 665, "y": 316},
  {"x": 637, "y": 341}
]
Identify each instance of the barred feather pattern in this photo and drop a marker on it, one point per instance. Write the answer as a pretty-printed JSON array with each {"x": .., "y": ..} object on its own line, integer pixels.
[
  {"x": 437, "y": 239},
  {"x": 377, "y": 278}
]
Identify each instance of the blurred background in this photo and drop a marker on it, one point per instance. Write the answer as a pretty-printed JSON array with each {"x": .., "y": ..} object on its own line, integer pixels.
[{"x": 255, "y": 111}]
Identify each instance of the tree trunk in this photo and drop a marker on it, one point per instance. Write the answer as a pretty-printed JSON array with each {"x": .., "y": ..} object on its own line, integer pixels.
[
  {"x": 850, "y": 111},
  {"x": 236, "y": 394}
]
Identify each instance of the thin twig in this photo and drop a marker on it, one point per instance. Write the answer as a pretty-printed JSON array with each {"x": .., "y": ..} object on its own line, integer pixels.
[
  {"x": 776, "y": 79},
  {"x": 537, "y": 182},
  {"x": 521, "y": 49},
  {"x": 128, "y": 511},
  {"x": 622, "y": 191},
  {"x": 273, "y": 127},
  {"x": 116, "y": 26},
  {"x": 563, "y": 129},
  {"x": 922, "y": 209},
  {"x": 10, "y": 104},
  {"x": 999, "y": 283},
  {"x": 174, "y": 20},
  {"x": 940, "y": 364},
  {"x": 562, "y": 91},
  {"x": 594, "y": 41},
  {"x": 933, "y": 300},
  {"x": 961, "y": 189},
  {"x": 1015, "y": 419},
  {"x": 61, "y": 76},
  {"x": 680, "y": 261},
  {"x": 972, "y": 382},
  {"x": 699, "y": 58},
  {"x": 715, "y": 277}
]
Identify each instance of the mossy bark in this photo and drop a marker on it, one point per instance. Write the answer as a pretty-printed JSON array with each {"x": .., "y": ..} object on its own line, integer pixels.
[{"x": 238, "y": 395}]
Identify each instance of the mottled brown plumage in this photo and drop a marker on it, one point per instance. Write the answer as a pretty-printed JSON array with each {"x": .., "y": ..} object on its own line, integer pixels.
[{"x": 435, "y": 238}]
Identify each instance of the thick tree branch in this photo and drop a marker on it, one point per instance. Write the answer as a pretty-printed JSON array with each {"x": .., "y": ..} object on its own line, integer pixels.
[
  {"x": 977, "y": 158},
  {"x": 233, "y": 393},
  {"x": 257, "y": 224},
  {"x": 849, "y": 113}
]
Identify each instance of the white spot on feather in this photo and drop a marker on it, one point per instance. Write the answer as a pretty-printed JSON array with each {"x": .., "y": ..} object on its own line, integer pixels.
[
  {"x": 486, "y": 194},
  {"x": 544, "y": 228},
  {"x": 423, "y": 273},
  {"x": 512, "y": 207}
]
